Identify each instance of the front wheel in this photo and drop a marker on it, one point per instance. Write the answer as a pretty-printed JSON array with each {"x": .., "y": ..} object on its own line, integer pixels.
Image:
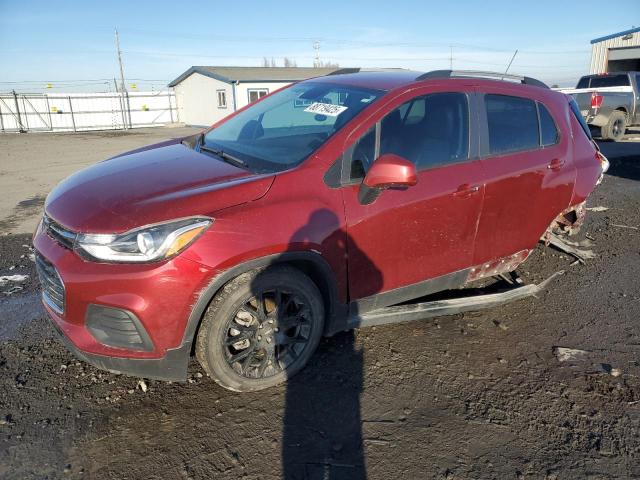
[
  {"x": 261, "y": 329},
  {"x": 616, "y": 128}
]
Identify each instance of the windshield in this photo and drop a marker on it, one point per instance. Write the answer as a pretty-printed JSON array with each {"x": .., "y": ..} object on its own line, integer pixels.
[{"x": 285, "y": 128}]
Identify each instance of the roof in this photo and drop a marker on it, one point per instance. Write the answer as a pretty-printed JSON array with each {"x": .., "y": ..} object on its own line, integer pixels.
[
  {"x": 379, "y": 79},
  {"x": 614, "y": 35},
  {"x": 255, "y": 74},
  {"x": 388, "y": 79}
]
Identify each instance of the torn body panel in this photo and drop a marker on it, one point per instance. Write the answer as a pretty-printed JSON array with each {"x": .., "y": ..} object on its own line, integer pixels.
[
  {"x": 498, "y": 266},
  {"x": 568, "y": 223}
]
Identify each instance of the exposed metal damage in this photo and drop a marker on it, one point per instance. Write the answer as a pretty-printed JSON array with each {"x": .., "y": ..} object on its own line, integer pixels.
[{"x": 567, "y": 224}]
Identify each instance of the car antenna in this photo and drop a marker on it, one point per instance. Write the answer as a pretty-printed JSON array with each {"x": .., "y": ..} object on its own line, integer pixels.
[{"x": 509, "y": 66}]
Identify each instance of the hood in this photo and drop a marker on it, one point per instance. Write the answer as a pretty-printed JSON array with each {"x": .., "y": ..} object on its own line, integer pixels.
[{"x": 158, "y": 183}]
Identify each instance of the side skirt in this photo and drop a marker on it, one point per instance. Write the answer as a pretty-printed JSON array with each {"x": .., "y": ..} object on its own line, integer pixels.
[{"x": 420, "y": 311}]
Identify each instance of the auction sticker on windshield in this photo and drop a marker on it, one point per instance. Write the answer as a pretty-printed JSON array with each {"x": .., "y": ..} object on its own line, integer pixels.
[{"x": 325, "y": 109}]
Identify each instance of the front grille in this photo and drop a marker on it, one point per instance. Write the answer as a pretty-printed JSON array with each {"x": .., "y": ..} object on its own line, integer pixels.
[
  {"x": 51, "y": 283},
  {"x": 63, "y": 236}
]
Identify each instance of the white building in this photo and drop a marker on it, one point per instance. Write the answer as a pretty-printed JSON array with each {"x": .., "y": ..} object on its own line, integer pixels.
[
  {"x": 616, "y": 52},
  {"x": 205, "y": 95}
]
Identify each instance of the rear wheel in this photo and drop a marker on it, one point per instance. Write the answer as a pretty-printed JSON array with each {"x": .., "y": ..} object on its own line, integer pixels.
[
  {"x": 261, "y": 329},
  {"x": 615, "y": 129}
]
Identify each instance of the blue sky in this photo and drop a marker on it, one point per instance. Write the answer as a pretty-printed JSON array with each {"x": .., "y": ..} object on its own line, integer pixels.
[{"x": 70, "y": 44}]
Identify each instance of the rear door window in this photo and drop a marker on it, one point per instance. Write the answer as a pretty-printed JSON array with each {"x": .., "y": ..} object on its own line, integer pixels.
[
  {"x": 512, "y": 124},
  {"x": 548, "y": 130},
  {"x": 610, "y": 81}
]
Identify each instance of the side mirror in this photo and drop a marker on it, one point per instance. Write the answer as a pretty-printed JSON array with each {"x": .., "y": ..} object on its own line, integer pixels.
[
  {"x": 391, "y": 170},
  {"x": 388, "y": 171}
]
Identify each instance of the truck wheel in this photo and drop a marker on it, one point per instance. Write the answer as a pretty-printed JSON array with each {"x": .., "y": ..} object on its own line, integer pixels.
[
  {"x": 261, "y": 329},
  {"x": 615, "y": 129}
]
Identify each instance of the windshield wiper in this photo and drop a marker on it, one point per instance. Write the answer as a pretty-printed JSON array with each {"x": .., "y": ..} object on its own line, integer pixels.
[{"x": 235, "y": 161}]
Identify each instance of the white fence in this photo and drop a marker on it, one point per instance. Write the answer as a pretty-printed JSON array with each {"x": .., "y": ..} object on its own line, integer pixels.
[{"x": 20, "y": 112}]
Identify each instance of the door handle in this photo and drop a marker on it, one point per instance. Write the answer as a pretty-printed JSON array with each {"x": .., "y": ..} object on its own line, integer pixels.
[
  {"x": 466, "y": 190},
  {"x": 555, "y": 164}
]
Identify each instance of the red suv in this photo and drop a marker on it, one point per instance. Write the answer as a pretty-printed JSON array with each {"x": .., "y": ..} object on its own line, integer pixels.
[{"x": 301, "y": 214}]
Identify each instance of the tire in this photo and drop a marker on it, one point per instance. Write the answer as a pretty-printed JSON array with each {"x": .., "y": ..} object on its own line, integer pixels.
[
  {"x": 279, "y": 341},
  {"x": 615, "y": 129}
]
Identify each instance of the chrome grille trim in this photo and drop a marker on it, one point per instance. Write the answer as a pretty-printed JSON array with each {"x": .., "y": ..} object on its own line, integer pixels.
[
  {"x": 53, "y": 290},
  {"x": 63, "y": 236}
]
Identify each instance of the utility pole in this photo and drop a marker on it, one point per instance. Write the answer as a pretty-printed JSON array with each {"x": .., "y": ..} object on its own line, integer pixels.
[
  {"x": 123, "y": 88},
  {"x": 316, "y": 47},
  {"x": 450, "y": 57}
]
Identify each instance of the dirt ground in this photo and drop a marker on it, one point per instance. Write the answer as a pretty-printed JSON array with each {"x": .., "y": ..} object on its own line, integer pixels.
[{"x": 479, "y": 395}]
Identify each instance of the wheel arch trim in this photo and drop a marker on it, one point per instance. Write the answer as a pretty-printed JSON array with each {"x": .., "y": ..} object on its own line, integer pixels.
[{"x": 336, "y": 313}]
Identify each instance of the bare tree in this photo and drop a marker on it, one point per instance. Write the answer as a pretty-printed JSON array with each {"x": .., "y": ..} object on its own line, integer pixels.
[
  {"x": 289, "y": 63},
  {"x": 273, "y": 62},
  {"x": 327, "y": 64},
  {"x": 265, "y": 62}
]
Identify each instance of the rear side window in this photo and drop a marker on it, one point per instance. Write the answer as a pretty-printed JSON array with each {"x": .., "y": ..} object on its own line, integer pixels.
[
  {"x": 576, "y": 113},
  {"x": 548, "y": 129},
  {"x": 512, "y": 123},
  {"x": 584, "y": 82},
  {"x": 610, "y": 81}
]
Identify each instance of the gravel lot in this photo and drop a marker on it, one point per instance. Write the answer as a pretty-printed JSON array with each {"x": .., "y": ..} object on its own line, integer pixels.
[
  {"x": 479, "y": 395},
  {"x": 31, "y": 164}
]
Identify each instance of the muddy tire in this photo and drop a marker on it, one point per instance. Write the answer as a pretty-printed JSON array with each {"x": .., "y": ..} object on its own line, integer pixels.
[
  {"x": 615, "y": 129},
  {"x": 261, "y": 329}
]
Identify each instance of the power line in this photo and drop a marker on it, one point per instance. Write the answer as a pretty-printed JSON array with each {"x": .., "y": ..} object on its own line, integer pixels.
[
  {"x": 333, "y": 57},
  {"x": 342, "y": 41},
  {"x": 84, "y": 80}
]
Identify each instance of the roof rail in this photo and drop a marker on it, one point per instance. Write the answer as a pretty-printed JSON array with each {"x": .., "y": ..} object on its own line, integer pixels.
[{"x": 479, "y": 74}]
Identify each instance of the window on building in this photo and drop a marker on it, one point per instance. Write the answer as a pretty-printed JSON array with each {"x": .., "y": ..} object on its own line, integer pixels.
[
  {"x": 257, "y": 93},
  {"x": 548, "y": 129},
  {"x": 222, "y": 99},
  {"x": 512, "y": 122}
]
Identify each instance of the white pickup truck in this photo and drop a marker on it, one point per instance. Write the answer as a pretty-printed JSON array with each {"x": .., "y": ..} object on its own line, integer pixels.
[{"x": 609, "y": 101}]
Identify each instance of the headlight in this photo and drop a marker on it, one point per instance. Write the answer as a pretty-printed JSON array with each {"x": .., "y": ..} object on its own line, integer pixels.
[{"x": 146, "y": 244}]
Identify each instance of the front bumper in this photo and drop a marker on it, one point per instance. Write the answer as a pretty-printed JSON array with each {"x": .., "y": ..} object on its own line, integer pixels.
[
  {"x": 158, "y": 296},
  {"x": 171, "y": 367}
]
